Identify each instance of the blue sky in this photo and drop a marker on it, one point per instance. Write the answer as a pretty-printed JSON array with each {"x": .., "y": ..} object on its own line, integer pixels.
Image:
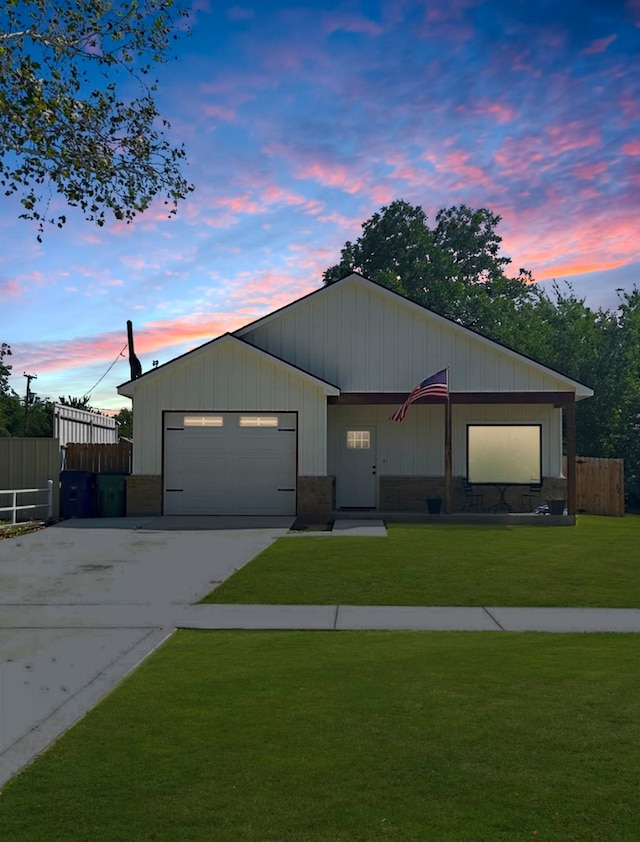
[{"x": 299, "y": 122}]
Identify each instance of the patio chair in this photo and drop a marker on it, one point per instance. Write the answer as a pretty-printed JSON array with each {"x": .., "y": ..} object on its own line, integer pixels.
[
  {"x": 530, "y": 499},
  {"x": 472, "y": 499}
]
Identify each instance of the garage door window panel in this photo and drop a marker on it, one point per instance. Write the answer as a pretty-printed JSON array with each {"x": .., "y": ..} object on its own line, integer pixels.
[
  {"x": 203, "y": 421},
  {"x": 258, "y": 420}
]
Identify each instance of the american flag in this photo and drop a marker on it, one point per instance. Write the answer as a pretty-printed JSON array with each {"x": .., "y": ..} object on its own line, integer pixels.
[{"x": 435, "y": 386}]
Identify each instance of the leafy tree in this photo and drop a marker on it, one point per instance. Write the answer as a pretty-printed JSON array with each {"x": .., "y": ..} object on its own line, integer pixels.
[
  {"x": 124, "y": 420},
  {"x": 40, "y": 423},
  {"x": 12, "y": 408},
  {"x": 468, "y": 244},
  {"x": 77, "y": 403},
  {"x": 5, "y": 369},
  {"x": 38, "y": 418},
  {"x": 5, "y": 393},
  {"x": 454, "y": 269},
  {"x": 392, "y": 250},
  {"x": 625, "y": 435},
  {"x": 69, "y": 120}
]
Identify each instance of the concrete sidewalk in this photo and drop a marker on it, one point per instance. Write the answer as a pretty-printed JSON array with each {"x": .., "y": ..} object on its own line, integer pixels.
[
  {"x": 145, "y": 616},
  {"x": 408, "y": 618}
]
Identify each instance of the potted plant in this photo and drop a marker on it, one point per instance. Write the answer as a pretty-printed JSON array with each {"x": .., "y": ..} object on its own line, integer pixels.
[{"x": 434, "y": 505}]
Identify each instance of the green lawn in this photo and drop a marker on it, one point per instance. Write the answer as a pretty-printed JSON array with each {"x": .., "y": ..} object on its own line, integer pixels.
[
  {"x": 350, "y": 736},
  {"x": 596, "y": 563}
]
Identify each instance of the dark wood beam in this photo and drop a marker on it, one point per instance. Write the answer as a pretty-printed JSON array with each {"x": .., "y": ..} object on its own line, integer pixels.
[
  {"x": 557, "y": 399},
  {"x": 448, "y": 486},
  {"x": 570, "y": 412}
]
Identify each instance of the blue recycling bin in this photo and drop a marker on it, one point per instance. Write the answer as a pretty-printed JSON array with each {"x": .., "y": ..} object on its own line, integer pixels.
[{"x": 78, "y": 496}]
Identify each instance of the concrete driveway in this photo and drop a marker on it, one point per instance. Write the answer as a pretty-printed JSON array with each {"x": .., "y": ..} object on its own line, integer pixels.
[{"x": 82, "y": 603}]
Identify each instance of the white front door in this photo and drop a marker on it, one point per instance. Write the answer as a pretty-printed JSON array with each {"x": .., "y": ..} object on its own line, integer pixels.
[{"x": 356, "y": 482}]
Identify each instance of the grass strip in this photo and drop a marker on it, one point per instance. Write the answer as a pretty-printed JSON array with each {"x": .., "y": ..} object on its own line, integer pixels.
[
  {"x": 596, "y": 563},
  {"x": 320, "y": 737}
]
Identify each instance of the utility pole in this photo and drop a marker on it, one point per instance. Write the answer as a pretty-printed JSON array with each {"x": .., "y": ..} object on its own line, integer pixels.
[{"x": 27, "y": 399}]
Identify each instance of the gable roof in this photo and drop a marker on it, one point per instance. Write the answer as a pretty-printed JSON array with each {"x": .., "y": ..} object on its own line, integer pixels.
[
  {"x": 355, "y": 278},
  {"x": 220, "y": 341}
]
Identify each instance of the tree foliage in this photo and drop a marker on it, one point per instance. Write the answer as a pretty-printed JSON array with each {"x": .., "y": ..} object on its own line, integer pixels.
[
  {"x": 5, "y": 368},
  {"x": 38, "y": 418},
  {"x": 77, "y": 403},
  {"x": 455, "y": 269},
  {"x": 124, "y": 420},
  {"x": 77, "y": 110}
]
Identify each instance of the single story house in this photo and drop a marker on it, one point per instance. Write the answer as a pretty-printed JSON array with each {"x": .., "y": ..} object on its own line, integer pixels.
[{"x": 290, "y": 415}]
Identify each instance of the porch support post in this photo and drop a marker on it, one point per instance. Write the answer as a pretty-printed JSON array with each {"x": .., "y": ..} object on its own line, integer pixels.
[
  {"x": 571, "y": 457},
  {"x": 447, "y": 458}
]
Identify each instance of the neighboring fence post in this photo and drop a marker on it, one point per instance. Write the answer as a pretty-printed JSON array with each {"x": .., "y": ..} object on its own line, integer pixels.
[
  {"x": 14, "y": 503},
  {"x": 50, "y": 499}
]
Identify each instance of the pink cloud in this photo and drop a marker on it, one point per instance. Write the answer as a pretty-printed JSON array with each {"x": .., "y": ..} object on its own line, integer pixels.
[
  {"x": 344, "y": 222},
  {"x": 382, "y": 193},
  {"x": 314, "y": 207},
  {"x": 274, "y": 194},
  {"x": 447, "y": 20},
  {"x": 600, "y": 45},
  {"x": 554, "y": 248},
  {"x": 565, "y": 137},
  {"x": 92, "y": 238},
  {"x": 457, "y": 163},
  {"x": 219, "y": 111},
  {"x": 632, "y": 148},
  {"x": 498, "y": 110},
  {"x": 259, "y": 197},
  {"x": 133, "y": 262},
  {"x": 515, "y": 156},
  {"x": 589, "y": 171},
  {"x": 267, "y": 290},
  {"x": 35, "y": 276},
  {"x": 331, "y": 175},
  {"x": 240, "y": 86},
  {"x": 238, "y": 204},
  {"x": 352, "y": 23},
  {"x": 11, "y": 287},
  {"x": 152, "y": 337}
]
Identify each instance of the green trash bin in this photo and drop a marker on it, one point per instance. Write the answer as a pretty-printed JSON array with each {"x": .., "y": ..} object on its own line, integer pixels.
[{"x": 112, "y": 500}]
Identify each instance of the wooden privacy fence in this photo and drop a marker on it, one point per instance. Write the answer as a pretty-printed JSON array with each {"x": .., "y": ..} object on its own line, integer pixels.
[
  {"x": 98, "y": 458},
  {"x": 599, "y": 486}
]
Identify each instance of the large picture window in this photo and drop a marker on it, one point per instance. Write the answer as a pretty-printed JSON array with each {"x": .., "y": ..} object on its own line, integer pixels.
[{"x": 504, "y": 453}]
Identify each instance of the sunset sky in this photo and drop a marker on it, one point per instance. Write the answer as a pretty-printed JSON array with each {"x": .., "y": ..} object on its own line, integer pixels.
[{"x": 299, "y": 122}]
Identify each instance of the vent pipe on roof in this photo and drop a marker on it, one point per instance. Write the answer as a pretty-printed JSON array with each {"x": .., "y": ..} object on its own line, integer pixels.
[{"x": 134, "y": 362}]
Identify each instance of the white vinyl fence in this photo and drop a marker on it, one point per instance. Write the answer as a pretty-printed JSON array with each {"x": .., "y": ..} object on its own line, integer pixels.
[{"x": 16, "y": 507}]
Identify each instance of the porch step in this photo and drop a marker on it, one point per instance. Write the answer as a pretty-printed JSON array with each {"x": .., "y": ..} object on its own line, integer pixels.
[{"x": 494, "y": 519}]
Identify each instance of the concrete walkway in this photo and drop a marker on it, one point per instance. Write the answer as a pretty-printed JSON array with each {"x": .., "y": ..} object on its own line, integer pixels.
[
  {"x": 83, "y": 604},
  {"x": 141, "y": 617}
]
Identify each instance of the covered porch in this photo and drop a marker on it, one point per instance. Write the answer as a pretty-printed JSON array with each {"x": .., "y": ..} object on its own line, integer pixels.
[{"x": 398, "y": 470}]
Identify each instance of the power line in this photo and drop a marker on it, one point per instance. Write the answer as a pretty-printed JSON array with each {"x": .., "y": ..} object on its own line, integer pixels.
[{"x": 121, "y": 354}]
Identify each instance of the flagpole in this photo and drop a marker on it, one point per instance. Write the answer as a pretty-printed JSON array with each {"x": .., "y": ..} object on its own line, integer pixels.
[{"x": 447, "y": 452}]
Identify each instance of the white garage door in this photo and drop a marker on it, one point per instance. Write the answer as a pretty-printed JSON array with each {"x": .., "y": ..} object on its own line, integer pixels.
[{"x": 229, "y": 463}]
